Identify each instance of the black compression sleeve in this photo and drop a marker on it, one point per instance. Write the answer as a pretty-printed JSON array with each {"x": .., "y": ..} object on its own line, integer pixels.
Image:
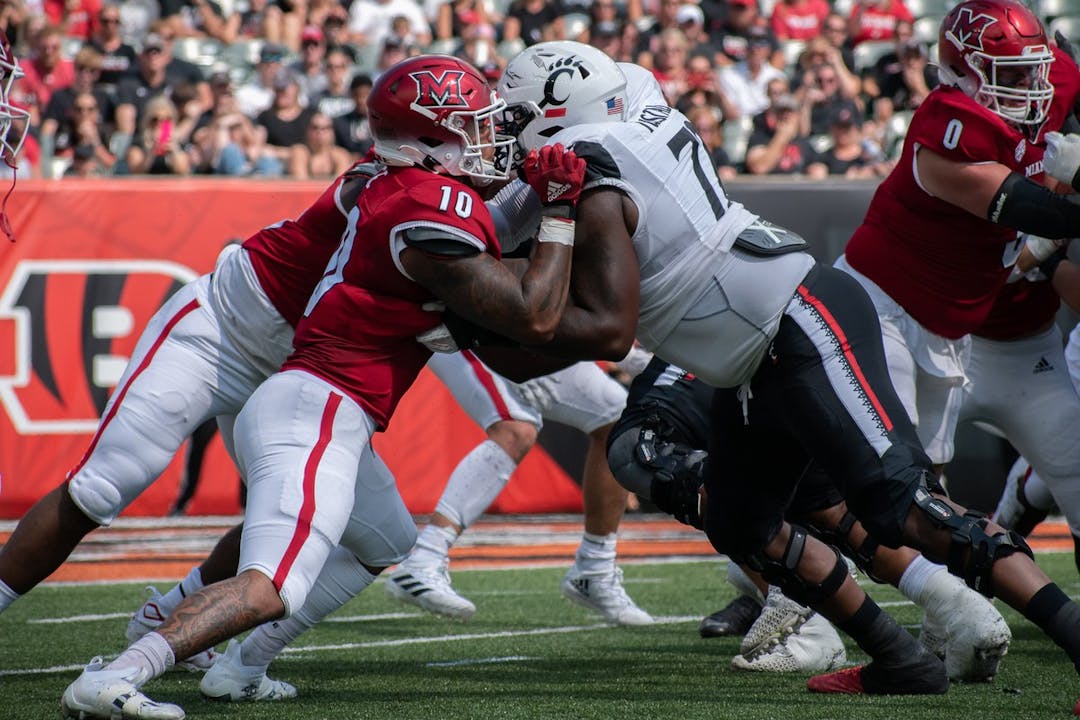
[{"x": 1022, "y": 204}]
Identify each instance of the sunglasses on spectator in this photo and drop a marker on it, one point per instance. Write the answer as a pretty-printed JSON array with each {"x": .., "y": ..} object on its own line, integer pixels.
[
  {"x": 110, "y": 21},
  {"x": 86, "y": 108},
  {"x": 160, "y": 119}
]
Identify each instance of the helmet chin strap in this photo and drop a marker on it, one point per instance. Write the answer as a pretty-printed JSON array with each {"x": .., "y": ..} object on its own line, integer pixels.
[{"x": 5, "y": 224}]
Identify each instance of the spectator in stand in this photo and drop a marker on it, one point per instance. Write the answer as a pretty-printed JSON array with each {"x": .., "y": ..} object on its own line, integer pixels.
[
  {"x": 178, "y": 70},
  {"x": 876, "y": 19},
  {"x": 819, "y": 52},
  {"x": 669, "y": 63},
  {"x": 629, "y": 37},
  {"x": 821, "y": 99},
  {"x": 903, "y": 77},
  {"x": 733, "y": 38},
  {"x": 259, "y": 19},
  {"x": 74, "y": 18},
  {"x": 12, "y": 17},
  {"x": 455, "y": 16},
  {"x": 603, "y": 11},
  {"x": 256, "y": 95},
  {"x": 79, "y": 127},
  {"x": 157, "y": 148},
  {"x": 835, "y": 32},
  {"x": 798, "y": 19},
  {"x": 85, "y": 163},
  {"x": 703, "y": 88},
  {"x": 352, "y": 130},
  {"x": 606, "y": 36},
  {"x": 63, "y": 115},
  {"x": 286, "y": 120},
  {"x": 227, "y": 142},
  {"x": 707, "y": 126},
  {"x": 533, "y": 21},
  {"x": 777, "y": 146},
  {"x": 117, "y": 57},
  {"x": 196, "y": 18},
  {"x": 310, "y": 69},
  {"x": 149, "y": 81},
  {"x": 335, "y": 99},
  {"x": 478, "y": 48},
  {"x": 849, "y": 154},
  {"x": 318, "y": 156},
  {"x": 336, "y": 31},
  {"x": 136, "y": 19},
  {"x": 45, "y": 72},
  {"x": 692, "y": 22},
  {"x": 370, "y": 21},
  {"x": 746, "y": 81},
  {"x": 649, "y": 41},
  {"x": 393, "y": 51}
]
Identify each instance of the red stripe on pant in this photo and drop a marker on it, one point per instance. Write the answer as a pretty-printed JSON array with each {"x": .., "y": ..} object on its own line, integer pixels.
[
  {"x": 180, "y": 315},
  {"x": 853, "y": 363},
  {"x": 307, "y": 507},
  {"x": 483, "y": 374}
]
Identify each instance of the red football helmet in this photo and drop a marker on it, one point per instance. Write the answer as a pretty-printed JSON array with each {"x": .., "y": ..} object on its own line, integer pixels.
[
  {"x": 14, "y": 121},
  {"x": 996, "y": 51},
  {"x": 438, "y": 112}
]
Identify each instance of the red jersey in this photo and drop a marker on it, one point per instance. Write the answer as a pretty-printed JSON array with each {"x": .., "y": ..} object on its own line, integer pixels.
[
  {"x": 291, "y": 256},
  {"x": 1024, "y": 308},
  {"x": 800, "y": 20},
  {"x": 360, "y": 329},
  {"x": 877, "y": 21},
  {"x": 942, "y": 264}
]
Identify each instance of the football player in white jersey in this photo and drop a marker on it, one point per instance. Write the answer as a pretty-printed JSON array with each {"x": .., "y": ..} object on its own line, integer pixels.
[
  {"x": 793, "y": 347},
  {"x": 581, "y": 396}
]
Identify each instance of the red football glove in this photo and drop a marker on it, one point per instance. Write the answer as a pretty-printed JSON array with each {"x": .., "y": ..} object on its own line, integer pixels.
[{"x": 556, "y": 174}]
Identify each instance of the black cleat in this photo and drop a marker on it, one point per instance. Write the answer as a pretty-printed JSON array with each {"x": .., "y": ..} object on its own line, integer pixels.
[{"x": 734, "y": 620}]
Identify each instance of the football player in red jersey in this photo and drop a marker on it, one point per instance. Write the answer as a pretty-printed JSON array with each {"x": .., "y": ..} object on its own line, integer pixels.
[{"x": 418, "y": 234}]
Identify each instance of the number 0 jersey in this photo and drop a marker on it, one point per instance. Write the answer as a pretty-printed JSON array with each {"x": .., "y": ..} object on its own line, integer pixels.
[
  {"x": 942, "y": 264},
  {"x": 360, "y": 329}
]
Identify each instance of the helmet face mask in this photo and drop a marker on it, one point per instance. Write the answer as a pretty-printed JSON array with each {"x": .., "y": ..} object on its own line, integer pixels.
[
  {"x": 440, "y": 113},
  {"x": 553, "y": 85},
  {"x": 14, "y": 121},
  {"x": 996, "y": 51}
]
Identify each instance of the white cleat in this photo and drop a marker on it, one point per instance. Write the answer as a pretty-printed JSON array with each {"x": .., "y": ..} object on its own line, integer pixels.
[
  {"x": 968, "y": 633},
  {"x": 100, "y": 694},
  {"x": 788, "y": 637},
  {"x": 428, "y": 588},
  {"x": 232, "y": 681},
  {"x": 1014, "y": 510},
  {"x": 149, "y": 617},
  {"x": 604, "y": 593}
]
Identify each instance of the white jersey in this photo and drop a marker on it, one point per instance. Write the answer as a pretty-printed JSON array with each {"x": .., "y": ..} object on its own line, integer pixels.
[{"x": 686, "y": 229}]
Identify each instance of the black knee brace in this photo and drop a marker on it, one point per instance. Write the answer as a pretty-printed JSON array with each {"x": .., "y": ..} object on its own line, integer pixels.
[
  {"x": 973, "y": 552},
  {"x": 678, "y": 472},
  {"x": 862, "y": 556},
  {"x": 784, "y": 572}
]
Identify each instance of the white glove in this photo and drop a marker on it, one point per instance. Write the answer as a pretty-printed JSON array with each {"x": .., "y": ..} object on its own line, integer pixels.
[
  {"x": 438, "y": 339},
  {"x": 1040, "y": 247},
  {"x": 1062, "y": 158}
]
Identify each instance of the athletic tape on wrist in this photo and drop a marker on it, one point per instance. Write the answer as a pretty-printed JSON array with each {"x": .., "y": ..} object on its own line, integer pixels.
[{"x": 556, "y": 230}]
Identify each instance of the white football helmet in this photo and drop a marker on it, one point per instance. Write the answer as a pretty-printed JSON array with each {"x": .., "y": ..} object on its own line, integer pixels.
[
  {"x": 559, "y": 84},
  {"x": 14, "y": 121}
]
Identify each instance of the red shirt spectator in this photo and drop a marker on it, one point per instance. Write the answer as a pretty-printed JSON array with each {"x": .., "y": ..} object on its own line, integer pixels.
[
  {"x": 47, "y": 70},
  {"x": 798, "y": 19},
  {"x": 876, "y": 19},
  {"x": 76, "y": 19}
]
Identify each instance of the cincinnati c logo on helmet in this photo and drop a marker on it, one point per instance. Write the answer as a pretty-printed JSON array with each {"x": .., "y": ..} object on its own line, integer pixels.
[
  {"x": 968, "y": 29},
  {"x": 438, "y": 92}
]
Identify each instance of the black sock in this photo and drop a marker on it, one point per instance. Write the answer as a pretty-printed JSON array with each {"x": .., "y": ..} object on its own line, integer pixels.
[
  {"x": 880, "y": 637},
  {"x": 1059, "y": 617}
]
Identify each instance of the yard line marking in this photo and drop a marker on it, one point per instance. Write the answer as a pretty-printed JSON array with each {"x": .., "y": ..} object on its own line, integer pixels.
[
  {"x": 477, "y": 636},
  {"x": 42, "y": 671},
  {"x": 379, "y": 616},
  {"x": 895, "y": 603},
  {"x": 78, "y": 618},
  {"x": 480, "y": 661}
]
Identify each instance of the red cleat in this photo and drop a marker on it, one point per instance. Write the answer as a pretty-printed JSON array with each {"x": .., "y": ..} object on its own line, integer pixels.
[
  {"x": 1076, "y": 708},
  {"x": 842, "y": 682}
]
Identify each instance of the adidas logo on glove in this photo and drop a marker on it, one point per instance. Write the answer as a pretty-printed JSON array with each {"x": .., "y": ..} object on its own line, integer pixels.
[{"x": 554, "y": 190}]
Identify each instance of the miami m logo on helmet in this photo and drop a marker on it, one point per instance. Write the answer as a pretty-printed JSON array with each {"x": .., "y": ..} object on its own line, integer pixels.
[
  {"x": 968, "y": 29},
  {"x": 438, "y": 92}
]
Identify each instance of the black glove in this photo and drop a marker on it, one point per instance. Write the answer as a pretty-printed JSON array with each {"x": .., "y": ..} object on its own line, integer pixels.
[{"x": 469, "y": 335}]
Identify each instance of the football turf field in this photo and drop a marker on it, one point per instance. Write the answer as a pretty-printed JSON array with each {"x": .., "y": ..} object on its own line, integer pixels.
[{"x": 526, "y": 654}]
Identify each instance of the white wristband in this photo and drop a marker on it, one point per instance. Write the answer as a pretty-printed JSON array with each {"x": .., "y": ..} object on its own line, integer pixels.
[{"x": 556, "y": 230}]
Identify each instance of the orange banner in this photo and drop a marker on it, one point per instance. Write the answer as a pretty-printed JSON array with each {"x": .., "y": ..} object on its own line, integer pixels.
[{"x": 93, "y": 260}]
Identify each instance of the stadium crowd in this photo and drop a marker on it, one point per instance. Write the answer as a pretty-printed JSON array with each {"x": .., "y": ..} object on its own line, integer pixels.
[{"x": 279, "y": 88}]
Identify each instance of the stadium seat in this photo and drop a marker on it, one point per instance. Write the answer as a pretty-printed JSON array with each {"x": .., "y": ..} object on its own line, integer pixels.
[
  {"x": 925, "y": 30},
  {"x": 243, "y": 52},
  {"x": 792, "y": 49},
  {"x": 203, "y": 52},
  {"x": 869, "y": 52},
  {"x": 1052, "y": 9},
  {"x": 736, "y": 136},
  {"x": 843, "y": 7},
  {"x": 895, "y": 130},
  {"x": 933, "y": 8},
  {"x": 575, "y": 24},
  {"x": 1068, "y": 25},
  {"x": 448, "y": 46},
  {"x": 510, "y": 48}
]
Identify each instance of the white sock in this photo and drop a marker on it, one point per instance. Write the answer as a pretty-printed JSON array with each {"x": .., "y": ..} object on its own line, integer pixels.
[
  {"x": 475, "y": 483},
  {"x": 148, "y": 657},
  {"x": 596, "y": 553},
  {"x": 1037, "y": 493},
  {"x": 916, "y": 577},
  {"x": 7, "y": 596},
  {"x": 342, "y": 578},
  {"x": 190, "y": 584},
  {"x": 433, "y": 545}
]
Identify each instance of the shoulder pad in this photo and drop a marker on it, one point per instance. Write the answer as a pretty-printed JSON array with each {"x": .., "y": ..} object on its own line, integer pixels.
[
  {"x": 599, "y": 164},
  {"x": 435, "y": 242}
]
